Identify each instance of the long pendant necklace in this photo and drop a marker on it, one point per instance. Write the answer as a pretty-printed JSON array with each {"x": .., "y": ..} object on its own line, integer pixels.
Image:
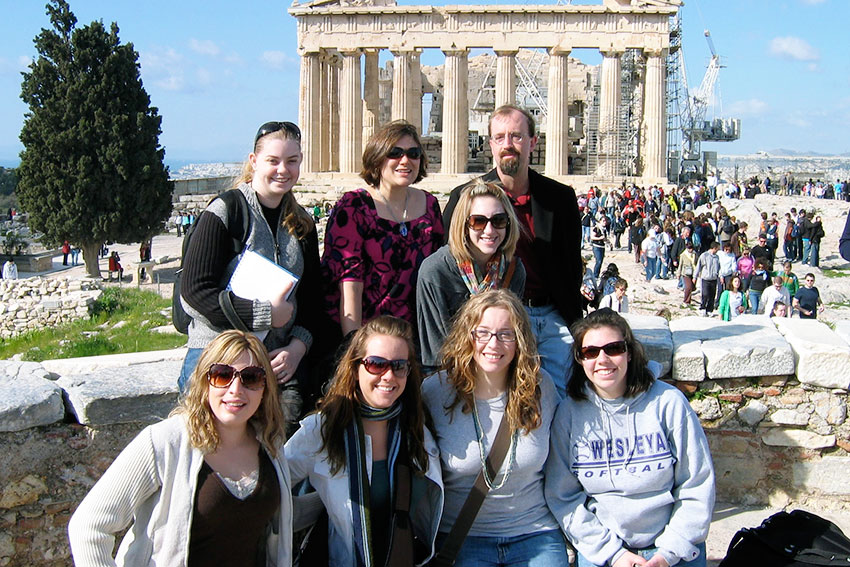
[
  {"x": 479, "y": 434},
  {"x": 402, "y": 228}
]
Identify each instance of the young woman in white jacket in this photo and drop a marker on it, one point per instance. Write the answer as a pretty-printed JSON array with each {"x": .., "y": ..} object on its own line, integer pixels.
[
  {"x": 209, "y": 485},
  {"x": 368, "y": 433}
]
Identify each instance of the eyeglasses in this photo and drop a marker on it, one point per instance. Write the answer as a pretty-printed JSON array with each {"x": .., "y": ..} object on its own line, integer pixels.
[
  {"x": 513, "y": 137},
  {"x": 272, "y": 127},
  {"x": 222, "y": 375},
  {"x": 483, "y": 336},
  {"x": 412, "y": 153},
  {"x": 479, "y": 222},
  {"x": 611, "y": 349},
  {"x": 378, "y": 365}
]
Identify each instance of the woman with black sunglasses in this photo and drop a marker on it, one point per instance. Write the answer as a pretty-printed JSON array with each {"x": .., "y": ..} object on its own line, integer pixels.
[
  {"x": 278, "y": 229},
  {"x": 492, "y": 380},
  {"x": 629, "y": 474},
  {"x": 377, "y": 237},
  {"x": 369, "y": 456},
  {"x": 478, "y": 257},
  {"x": 207, "y": 486}
]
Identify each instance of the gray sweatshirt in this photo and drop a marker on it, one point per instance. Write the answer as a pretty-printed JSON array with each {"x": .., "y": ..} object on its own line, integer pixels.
[
  {"x": 518, "y": 507},
  {"x": 632, "y": 472}
]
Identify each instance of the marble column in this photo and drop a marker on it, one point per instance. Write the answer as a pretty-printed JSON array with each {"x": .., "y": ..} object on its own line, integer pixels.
[
  {"x": 654, "y": 150},
  {"x": 309, "y": 110},
  {"x": 401, "y": 85},
  {"x": 324, "y": 113},
  {"x": 455, "y": 111},
  {"x": 332, "y": 147},
  {"x": 505, "y": 77},
  {"x": 371, "y": 109},
  {"x": 558, "y": 124},
  {"x": 414, "y": 94},
  {"x": 350, "y": 113},
  {"x": 609, "y": 110}
]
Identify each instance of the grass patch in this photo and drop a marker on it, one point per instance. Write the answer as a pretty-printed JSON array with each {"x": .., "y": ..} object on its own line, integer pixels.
[
  {"x": 137, "y": 312},
  {"x": 834, "y": 273}
]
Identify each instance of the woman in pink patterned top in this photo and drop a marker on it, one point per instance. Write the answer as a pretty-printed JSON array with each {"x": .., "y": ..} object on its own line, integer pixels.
[{"x": 377, "y": 237}]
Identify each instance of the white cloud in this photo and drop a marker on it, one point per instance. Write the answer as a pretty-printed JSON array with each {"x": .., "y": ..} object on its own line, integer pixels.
[
  {"x": 204, "y": 47},
  {"x": 749, "y": 107},
  {"x": 203, "y": 77},
  {"x": 793, "y": 48},
  {"x": 275, "y": 59},
  {"x": 164, "y": 67},
  {"x": 813, "y": 2},
  {"x": 799, "y": 121}
]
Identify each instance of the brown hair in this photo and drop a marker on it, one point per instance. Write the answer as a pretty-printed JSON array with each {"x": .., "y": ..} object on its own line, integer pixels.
[
  {"x": 506, "y": 110},
  {"x": 459, "y": 243},
  {"x": 379, "y": 145}
]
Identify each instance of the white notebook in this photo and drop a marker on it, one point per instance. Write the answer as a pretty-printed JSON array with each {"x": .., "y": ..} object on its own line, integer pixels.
[{"x": 257, "y": 277}]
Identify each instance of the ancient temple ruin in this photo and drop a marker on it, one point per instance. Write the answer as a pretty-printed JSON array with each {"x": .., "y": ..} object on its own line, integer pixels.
[{"x": 617, "y": 111}]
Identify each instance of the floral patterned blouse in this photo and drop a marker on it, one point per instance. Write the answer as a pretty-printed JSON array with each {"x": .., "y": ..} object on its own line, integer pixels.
[{"x": 360, "y": 246}]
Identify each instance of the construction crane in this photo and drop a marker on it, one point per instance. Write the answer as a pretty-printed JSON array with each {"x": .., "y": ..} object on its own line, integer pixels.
[{"x": 687, "y": 111}]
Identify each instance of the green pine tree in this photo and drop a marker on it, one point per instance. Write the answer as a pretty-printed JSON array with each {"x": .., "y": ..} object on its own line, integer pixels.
[{"x": 91, "y": 170}]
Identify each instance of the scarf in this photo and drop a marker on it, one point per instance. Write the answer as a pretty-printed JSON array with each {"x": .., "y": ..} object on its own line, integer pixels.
[
  {"x": 358, "y": 479},
  {"x": 492, "y": 279}
]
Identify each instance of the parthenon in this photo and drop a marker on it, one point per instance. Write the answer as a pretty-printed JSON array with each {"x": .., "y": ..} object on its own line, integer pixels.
[{"x": 339, "y": 43}]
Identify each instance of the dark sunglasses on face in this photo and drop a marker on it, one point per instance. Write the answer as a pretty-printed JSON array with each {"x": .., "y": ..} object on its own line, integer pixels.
[
  {"x": 412, "y": 153},
  {"x": 272, "y": 127},
  {"x": 479, "y": 222},
  {"x": 611, "y": 349},
  {"x": 222, "y": 375},
  {"x": 378, "y": 365}
]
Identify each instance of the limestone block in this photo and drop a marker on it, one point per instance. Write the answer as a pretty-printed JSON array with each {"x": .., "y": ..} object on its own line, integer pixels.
[
  {"x": 830, "y": 407},
  {"x": 688, "y": 359},
  {"x": 23, "y": 491},
  {"x": 789, "y": 417},
  {"x": 29, "y": 398},
  {"x": 779, "y": 437},
  {"x": 52, "y": 304},
  {"x": 91, "y": 364},
  {"x": 654, "y": 334},
  {"x": 134, "y": 393},
  {"x": 753, "y": 412},
  {"x": 822, "y": 357},
  {"x": 828, "y": 475},
  {"x": 707, "y": 409}
]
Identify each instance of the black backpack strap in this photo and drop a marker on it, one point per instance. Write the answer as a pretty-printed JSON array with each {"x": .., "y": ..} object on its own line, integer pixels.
[{"x": 238, "y": 218}]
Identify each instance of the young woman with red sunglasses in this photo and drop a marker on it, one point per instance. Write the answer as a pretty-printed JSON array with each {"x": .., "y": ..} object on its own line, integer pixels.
[
  {"x": 483, "y": 237},
  {"x": 367, "y": 441},
  {"x": 209, "y": 485},
  {"x": 629, "y": 475}
]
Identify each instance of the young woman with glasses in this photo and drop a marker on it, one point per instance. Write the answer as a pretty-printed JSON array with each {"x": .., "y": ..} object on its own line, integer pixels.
[
  {"x": 478, "y": 257},
  {"x": 278, "y": 229},
  {"x": 629, "y": 474},
  {"x": 377, "y": 237},
  {"x": 492, "y": 373},
  {"x": 366, "y": 443},
  {"x": 209, "y": 485}
]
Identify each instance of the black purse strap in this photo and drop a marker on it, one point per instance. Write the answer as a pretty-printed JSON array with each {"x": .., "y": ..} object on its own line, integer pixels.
[
  {"x": 226, "y": 304},
  {"x": 451, "y": 546}
]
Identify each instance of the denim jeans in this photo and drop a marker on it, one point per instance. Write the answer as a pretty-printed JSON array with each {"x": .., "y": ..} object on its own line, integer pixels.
[
  {"x": 651, "y": 267},
  {"x": 554, "y": 344},
  {"x": 807, "y": 249},
  {"x": 189, "y": 364},
  {"x": 599, "y": 255},
  {"x": 755, "y": 299},
  {"x": 814, "y": 255},
  {"x": 648, "y": 553},
  {"x": 541, "y": 549},
  {"x": 585, "y": 235}
]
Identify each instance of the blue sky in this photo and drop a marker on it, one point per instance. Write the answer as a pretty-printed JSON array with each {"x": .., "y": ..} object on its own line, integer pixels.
[{"x": 217, "y": 69}]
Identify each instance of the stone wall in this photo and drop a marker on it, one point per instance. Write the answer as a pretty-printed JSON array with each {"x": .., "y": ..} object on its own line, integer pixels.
[
  {"x": 771, "y": 395},
  {"x": 35, "y": 303}
]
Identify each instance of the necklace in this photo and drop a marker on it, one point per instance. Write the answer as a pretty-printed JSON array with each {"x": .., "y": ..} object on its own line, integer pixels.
[
  {"x": 402, "y": 223},
  {"x": 479, "y": 434}
]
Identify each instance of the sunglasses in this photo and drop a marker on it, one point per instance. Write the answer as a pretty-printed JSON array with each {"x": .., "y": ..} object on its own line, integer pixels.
[
  {"x": 222, "y": 375},
  {"x": 479, "y": 222},
  {"x": 412, "y": 153},
  {"x": 483, "y": 336},
  {"x": 378, "y": 365},
  {"x": 272, "y": 127},
  {"x": 611, "y": 349}
]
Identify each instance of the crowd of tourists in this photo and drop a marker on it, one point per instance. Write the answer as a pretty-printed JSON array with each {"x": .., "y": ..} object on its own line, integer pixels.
[{"x": 455, "y": 406}]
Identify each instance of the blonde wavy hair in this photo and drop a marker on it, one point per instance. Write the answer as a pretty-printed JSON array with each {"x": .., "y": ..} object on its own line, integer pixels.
[
  {"x": 294, "y": 218},
  {"x": 268, "y": 420},
  {"x": 459, "y": 242},
  {"x": 523, "y": 383}
]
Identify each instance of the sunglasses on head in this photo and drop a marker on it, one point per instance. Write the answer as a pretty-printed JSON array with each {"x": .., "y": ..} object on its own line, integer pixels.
[
  {"x": 611, "y": 349},
  {"x": 272, "y": 127},
  {"x": 222, "y": 375},
  {"x": 378, "y": 365},
  {"x": 412, "y": 153},
  {"x": 479, "y": 222}
]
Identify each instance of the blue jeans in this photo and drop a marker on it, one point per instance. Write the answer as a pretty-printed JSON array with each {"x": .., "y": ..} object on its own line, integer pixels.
[
  {"x": 541, "y": 549},
  {"x": 814, "y": 255},
  {"x": 807, "y": 249},
  {"x": 189, "y": 364},
  {"x": 651, "y": 268},
  {"x": 648, "y": 553},
  {"x": 599, "y": 255},
  {"x": 554, "y": 344},
  {"x": 755, "y": 299},
  {"x": 585, "y": 235}
]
